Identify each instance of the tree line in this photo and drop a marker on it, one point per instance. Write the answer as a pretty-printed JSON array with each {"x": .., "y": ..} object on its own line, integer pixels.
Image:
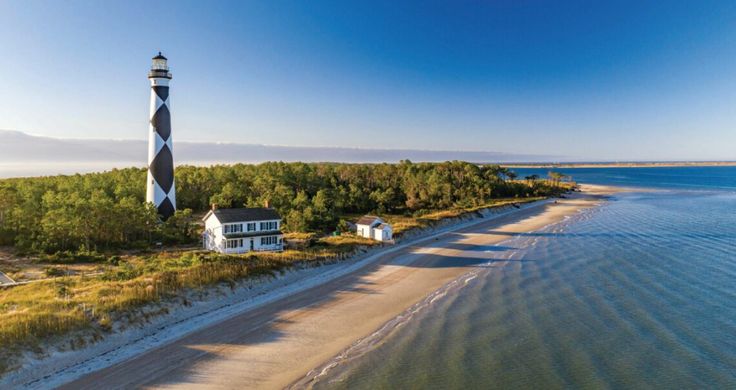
[{"x": 107, "y": 210}]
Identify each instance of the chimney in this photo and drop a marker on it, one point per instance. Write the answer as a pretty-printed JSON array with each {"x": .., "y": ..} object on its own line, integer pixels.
[
  {"x": 214, "y": 206},
  {"x": 267, "y": 204}
]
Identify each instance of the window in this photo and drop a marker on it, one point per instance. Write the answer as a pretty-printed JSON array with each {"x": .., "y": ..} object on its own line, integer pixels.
[
  {"x": 269, "y": 240},
  {"x": 273, "y": 225},
  {"x": 231, "y": 244},
  {"x": 252, "y": 227},
  {"x": 234, "y": 228}
]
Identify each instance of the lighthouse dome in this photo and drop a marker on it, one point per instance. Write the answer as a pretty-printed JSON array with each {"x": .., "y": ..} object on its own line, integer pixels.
[
  {"x": 159, "y": 67},
  {"x": 159, "y": 63}
]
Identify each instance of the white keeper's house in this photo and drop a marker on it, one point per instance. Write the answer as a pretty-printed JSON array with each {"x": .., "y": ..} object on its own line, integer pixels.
[
  {"x": 242, "y": 230},
  {"x": 375, "y": 228}
]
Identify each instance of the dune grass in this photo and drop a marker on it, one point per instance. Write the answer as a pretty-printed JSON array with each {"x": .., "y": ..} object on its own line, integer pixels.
[
  {"x": 402, "y": 223},
  {"x": 35, "y": 312}
]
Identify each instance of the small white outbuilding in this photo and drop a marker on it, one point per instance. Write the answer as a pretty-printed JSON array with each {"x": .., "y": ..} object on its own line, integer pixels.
[{"x": 375, "y": 228}]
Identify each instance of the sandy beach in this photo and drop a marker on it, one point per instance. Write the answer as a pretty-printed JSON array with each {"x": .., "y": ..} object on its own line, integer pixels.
[{"x": 277, "y": 344}]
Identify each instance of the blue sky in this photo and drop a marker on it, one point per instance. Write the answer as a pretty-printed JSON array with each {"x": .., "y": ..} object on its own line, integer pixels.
[{"x": 579, "y": 79}]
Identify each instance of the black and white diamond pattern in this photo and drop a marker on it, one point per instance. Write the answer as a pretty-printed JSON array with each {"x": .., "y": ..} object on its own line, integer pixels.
[{"x": 161, "y": 189}]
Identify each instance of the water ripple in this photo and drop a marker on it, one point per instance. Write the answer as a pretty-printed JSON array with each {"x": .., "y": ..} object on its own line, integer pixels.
[{"x": 639, "y": 292}]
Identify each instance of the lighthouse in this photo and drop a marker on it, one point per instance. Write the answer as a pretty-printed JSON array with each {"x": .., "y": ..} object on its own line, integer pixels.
[{"x": 160, "y": 190}]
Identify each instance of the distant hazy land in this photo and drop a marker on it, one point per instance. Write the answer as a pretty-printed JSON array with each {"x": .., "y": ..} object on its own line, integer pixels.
[{"x": 22, "y": 154}]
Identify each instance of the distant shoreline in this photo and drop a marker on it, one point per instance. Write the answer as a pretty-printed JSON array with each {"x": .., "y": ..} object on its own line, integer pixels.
[{"x": 626, "y": 164}]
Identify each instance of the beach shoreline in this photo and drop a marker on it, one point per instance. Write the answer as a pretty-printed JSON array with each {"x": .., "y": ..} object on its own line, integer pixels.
[
  {"x": 283, "y": 334},
  {"x": 369, "y": 341}
]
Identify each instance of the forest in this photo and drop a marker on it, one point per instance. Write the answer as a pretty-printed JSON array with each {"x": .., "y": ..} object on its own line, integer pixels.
[{"x": 104, "y": 211}]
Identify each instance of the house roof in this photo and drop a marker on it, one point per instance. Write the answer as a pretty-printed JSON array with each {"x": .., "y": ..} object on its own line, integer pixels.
[
  {"x": 367, "y": 220},
  {"x": 243, "y": 214}
]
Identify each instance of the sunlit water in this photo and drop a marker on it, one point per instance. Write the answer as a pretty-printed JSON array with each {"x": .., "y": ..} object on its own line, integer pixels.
[{"x": 637, "y": 293}]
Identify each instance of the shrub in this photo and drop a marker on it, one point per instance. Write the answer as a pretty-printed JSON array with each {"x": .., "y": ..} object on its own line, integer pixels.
[{"x": 54, "y": 272}]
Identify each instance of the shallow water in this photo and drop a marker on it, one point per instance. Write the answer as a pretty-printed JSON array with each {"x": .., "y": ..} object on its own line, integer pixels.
[{"x": 640, "y": 292}]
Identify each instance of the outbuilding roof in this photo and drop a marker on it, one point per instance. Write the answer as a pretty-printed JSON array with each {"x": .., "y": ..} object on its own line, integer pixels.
[
  {"x": 367, "y": 220},
  {"x": 244, "y": 214},
  {"x": 382, "y": 226}
]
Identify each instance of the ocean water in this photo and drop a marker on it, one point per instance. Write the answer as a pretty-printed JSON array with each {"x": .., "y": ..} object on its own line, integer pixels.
[{"x": 637, "y": 293}]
